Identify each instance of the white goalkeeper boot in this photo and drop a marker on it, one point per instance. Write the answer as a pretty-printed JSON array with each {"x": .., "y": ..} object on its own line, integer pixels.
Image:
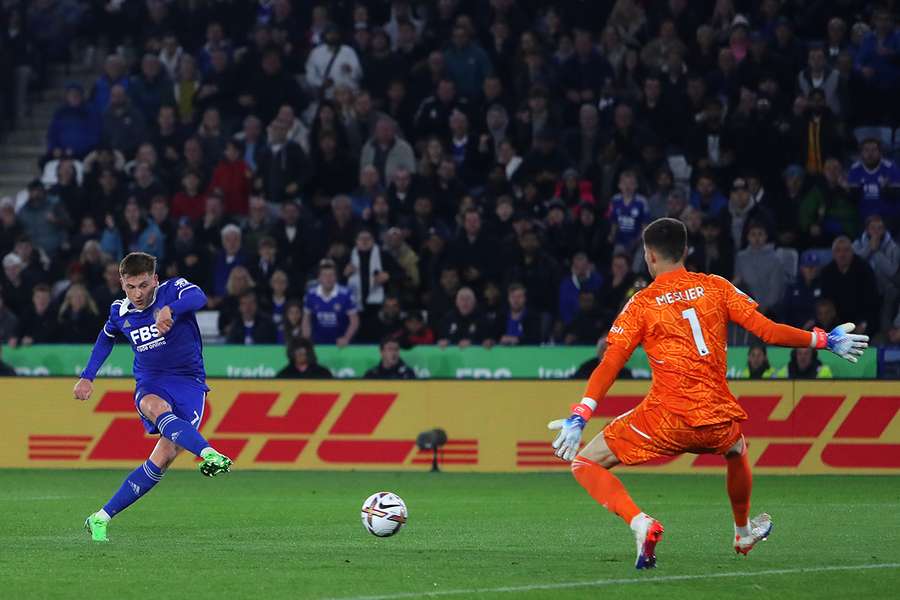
[{"x": 760, "y": 527}]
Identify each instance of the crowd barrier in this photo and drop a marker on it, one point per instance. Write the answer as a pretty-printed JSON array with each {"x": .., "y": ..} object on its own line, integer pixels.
[{"x": 794, "y": 427}]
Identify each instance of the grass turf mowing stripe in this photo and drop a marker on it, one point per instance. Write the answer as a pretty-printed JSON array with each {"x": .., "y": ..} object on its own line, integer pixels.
[{"x": 622, "y": 581}]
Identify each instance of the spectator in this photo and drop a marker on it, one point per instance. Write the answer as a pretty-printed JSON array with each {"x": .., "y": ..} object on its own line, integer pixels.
[
  {"x": 801, "y": 296},
  {"x": 706, "y": 197},
  {"x": 818, "y": 75},
  {"x": 151, "y": 89},
  {"x": 582, "y": 277},
  {"x": 331, "y": 64},
  {"x": 38, "y": 324},
  {"x": 269, "y": 87},
  {"x": 416, "y": 331},
  {"x": 805, "y": 364},
  {"x": 391, "y": 366},
  {"x": 134, "y": 234},
  {"x": 874, "y": 180},
  {"x": 717, "y": 251},
  {"x": 79, "y": 318},
  {"x": 233, "y": 176},
  {"x": 537, "y": 271},
  {"x": 466, "y": 62},
  {"x": 827, "y": 211},
  {"x": 759, "y": 269},
  {"x": 303, "y": 363},
  {"x": 113, "y": 75},
  {"x": 743, "y": 210},
  {"x": 251, "y": 326},
  {"x": 629, "y": 214},
  {"x": 276, "y": 299},
  {"x": 75, "y": 129},
  {"x": 16, "y": 288},
  {"x": 387, "y": 152},
  {"x": 44, "y": 219},
  {"x": 850, "y": 283},
  {"x": 111, "y": 288},
  {"x": 588, "y": 323},
  {"x": 329, "y": 314},
  {"x": 815, "y": 131},
  {"x": 9, "y": 323},
  {"x": 190, "y": 201},
  {"x": 612, "y": 295},
  {"x": 587, "y": 367},
  {"x": 191, "y": 259},
  {"x": 282, "y": 166},
  {"x": 123, "y": 126},
  {"x": 464, "y": 324},
  {"x": 826, "y": 315},
  {"x": 230, "y": 256},
  {"x": 367, "y": 273},
  {"x": 518, "y": 326},
  {"x": 877, "y": 247},
  {"x": 758, "y": 366}
]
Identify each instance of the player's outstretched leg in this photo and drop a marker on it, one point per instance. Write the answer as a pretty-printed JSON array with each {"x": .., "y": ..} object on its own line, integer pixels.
[
  {"x": 604, "y": 487},
  {"x": 747, "y": 532},
  {"x": 184, "y": 434},
  {"x": 138, "y": 483}
]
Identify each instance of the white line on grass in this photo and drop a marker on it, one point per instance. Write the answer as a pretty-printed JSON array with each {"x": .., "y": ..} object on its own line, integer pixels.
[{"x": 622, "y": 581}]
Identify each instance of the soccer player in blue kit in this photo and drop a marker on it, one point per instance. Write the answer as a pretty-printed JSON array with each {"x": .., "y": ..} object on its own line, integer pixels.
[{"x": 170, "y": 381}]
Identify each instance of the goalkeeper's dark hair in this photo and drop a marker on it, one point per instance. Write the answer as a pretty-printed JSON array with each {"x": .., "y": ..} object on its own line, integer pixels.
[
  {"x": 667, "y": 237},
  {"x": 137, "y": 263}
]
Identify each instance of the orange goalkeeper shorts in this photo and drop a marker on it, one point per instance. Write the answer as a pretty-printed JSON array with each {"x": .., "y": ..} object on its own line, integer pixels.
[{"x": 646, "y": 433}]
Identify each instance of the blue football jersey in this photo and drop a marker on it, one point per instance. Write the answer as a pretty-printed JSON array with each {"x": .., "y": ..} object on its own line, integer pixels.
[
  {"x": 177, "y": 353},
  {"x": 630, "y": 218},
  {"x": 330, "y": 313},
  {"x": 875, "y": 197}
]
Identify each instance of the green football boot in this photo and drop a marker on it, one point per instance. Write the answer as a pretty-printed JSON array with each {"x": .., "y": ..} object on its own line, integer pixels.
[
  {"x": 214, "y": 463},
  {"x": 97, "y": 528}
]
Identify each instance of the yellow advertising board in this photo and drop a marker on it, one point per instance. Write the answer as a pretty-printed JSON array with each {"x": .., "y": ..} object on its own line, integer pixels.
[{"x": 794, "y": 427}]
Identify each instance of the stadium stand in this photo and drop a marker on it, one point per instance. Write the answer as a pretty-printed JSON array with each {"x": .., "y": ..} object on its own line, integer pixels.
[{"x": 439, "y": 152}]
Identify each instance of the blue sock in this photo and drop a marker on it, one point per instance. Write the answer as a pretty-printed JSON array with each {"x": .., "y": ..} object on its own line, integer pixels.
[
  {"x": 135, "y": 485},
  {"x": 181, "y": 432}
]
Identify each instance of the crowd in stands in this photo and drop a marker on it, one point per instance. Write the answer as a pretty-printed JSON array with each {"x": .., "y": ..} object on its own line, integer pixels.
[{"x": 461, "y": 172}]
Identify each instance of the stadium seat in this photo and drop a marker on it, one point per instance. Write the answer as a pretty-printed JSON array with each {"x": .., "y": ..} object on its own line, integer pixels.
[{"x": 208, "y": 322}]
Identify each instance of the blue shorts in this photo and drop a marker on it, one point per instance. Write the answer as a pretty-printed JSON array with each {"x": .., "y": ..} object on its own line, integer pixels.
[{"x": 186, "y": 396}]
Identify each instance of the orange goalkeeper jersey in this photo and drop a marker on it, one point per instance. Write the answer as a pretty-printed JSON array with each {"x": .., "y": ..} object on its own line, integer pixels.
[{"x": 682, "y": 321}]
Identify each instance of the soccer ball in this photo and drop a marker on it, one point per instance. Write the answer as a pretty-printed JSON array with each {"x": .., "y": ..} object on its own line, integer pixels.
[{"x": 383, "y": 514}]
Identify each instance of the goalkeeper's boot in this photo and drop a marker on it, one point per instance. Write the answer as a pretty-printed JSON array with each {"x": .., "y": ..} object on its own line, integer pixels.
[
  {"x": 96, "y": 526},
  {"x": 760, "y": 528},
  {"x": 647, "y": 533},
  {"x": 214, "y": 463}
]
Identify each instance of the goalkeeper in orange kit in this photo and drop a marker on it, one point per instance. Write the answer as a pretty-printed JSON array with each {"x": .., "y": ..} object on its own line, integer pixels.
[{"x": 681, "y": 319}]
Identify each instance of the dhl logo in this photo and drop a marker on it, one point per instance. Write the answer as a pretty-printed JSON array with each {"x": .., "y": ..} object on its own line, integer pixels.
[
  {"x": 853, "y": 445},
  {"x": 348, "y": 439}
]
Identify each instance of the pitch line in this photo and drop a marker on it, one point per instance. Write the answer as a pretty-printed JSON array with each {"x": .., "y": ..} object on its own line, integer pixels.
[{"x": 622, "y": 581}]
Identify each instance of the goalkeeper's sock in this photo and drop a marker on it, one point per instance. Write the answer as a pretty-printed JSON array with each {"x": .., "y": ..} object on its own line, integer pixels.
[
  {"x": 740, "y": 483},
  {"x": 605, "y": 488},
  {"x": 135, "y": 485},
  {"x": 181, "y": 432}
]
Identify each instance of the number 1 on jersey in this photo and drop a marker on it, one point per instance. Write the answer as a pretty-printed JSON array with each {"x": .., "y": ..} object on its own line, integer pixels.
[{"x": 691, "y": 316}]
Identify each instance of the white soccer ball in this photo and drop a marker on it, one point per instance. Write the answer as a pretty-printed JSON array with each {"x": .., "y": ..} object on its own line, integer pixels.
[{"x": 383, "y": 514}]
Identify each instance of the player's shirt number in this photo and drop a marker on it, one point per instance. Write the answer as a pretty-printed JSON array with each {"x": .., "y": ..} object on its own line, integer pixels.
[{"x": 691, "y": 316}]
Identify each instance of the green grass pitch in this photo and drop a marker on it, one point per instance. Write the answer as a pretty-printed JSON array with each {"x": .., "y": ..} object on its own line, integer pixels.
[{"x": 298, "y": 535}]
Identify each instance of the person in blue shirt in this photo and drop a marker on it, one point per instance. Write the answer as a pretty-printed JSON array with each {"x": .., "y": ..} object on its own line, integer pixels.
[
  {"x": 330, "y": 315},
  {"x": 629, "y": 213},
  {"x": 170, "y": 380},
  {"x": 876, "y": 181}
]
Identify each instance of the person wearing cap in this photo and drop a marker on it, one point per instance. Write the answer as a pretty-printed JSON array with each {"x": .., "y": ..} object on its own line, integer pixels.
[
  {"x": 800, "y": 296},
  {"x": 75, "y": 129},
  {"x": 332, "y": 64},
  {"x": 742, "y": 211}
]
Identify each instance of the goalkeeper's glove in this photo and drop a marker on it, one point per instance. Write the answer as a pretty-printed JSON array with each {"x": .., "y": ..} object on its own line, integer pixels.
[
  {"x": 568, "y": 441},
  {"x": 849, "y": 346}
]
